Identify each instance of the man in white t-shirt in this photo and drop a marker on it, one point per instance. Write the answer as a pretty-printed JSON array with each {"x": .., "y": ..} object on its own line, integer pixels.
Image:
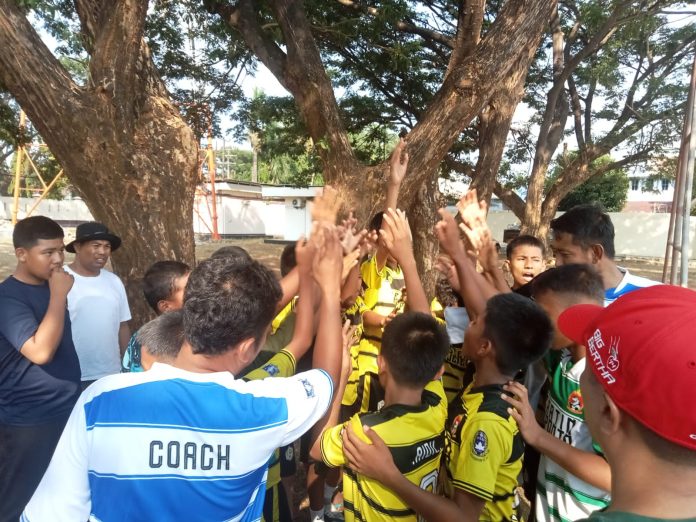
[
  {"x": 191, "y": 441},
  {"x": 585, "y": 234},
  {"x": 97, "y": 303}
]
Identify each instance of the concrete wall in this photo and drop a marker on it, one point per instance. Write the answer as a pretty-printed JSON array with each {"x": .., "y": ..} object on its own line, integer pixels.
[
  {"x": 64, "y": 211},
  {"x": 639, "y": 234}
]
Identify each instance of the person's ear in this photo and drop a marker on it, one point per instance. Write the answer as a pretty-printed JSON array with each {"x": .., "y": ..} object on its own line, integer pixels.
[
  {"x": 164, "y": 306},
  {"x": 610, "y": 416},
  {"x": 381, "y": 364},
  {"x": 485, "y": 348},
  {"x": 439, "y": 373},
  {"x": 246, "y": 351},
  {"x": 22, "y": 254},
  {"x": 597, "y": 252}
]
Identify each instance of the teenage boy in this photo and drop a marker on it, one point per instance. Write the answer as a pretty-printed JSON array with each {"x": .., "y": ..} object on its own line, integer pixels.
[
  {"x": 189, "y": 441},
  {"x": 574, "y": 478},
  {"x": 411, "y": 422},
  {"x": 39, "y": 369},
  {"x": 161, "y": 339},
  {"x": 163, "y": 286},
  {"x": 484, "y": 445},
  {"x": 637, "y": 388},
  {"x": 97, "y": 303},
  {"x": 525, "y": 259},
  {"x": 585, "y": 234}
]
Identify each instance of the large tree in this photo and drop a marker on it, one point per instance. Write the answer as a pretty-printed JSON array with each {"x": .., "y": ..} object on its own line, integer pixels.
[
  {"x": 119, "y": 137},
  {"x": 284, "y": 35}
]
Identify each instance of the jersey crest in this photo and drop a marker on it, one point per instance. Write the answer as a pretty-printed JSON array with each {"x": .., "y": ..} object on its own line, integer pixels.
[{"x": 479, "y": 447}]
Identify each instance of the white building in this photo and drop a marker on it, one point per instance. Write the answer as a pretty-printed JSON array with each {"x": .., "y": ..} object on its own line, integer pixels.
[{"x": 649, "y": 196}]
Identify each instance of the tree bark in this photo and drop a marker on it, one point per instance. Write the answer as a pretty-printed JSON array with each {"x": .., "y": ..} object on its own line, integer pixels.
[{"x": 121, "y": 141}]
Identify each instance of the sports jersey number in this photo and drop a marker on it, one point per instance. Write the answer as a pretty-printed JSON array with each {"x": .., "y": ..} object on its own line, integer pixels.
[{"x": 429, "y": 483}]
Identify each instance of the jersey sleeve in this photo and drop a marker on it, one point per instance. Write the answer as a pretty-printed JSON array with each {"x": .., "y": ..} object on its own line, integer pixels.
[
  {"x": 281, "y": 364},
  {"x": 308, "y": 397},
  {"x": 17, "y": 321},
  {"x": 485, "y": 446},
  {"x": 63, "y": 494},
  {"x": 332, "y": 446}
]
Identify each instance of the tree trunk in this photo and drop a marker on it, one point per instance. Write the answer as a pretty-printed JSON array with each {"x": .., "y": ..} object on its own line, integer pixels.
[{"x": 122, "y": 143}]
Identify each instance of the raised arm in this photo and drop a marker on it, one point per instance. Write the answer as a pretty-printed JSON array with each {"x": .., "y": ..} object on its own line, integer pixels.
[
  {"x": 397, "y": 238},
  {"x": 304, "y": 323}
]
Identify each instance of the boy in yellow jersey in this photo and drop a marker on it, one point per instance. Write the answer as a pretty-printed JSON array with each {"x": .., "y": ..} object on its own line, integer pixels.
[
  {"x": 411, "y": 421},
  {"x": 383, "y": 296}
]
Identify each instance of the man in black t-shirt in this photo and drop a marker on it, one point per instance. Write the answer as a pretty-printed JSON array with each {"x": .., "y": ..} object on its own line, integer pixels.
[{"x": 39, "y": 369}]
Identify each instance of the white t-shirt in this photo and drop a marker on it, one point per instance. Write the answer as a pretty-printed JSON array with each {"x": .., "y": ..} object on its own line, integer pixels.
[
  {"x": 168, "y": 444},
  {"x": 97, "y": 305}
]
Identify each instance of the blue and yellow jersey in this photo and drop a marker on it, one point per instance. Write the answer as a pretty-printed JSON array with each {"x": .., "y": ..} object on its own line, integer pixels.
[
  {"x": 415, "y": 437},
  {"x": 484, "y": 451}
]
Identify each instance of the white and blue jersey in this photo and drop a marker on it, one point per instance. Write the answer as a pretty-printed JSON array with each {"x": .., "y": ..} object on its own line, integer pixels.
[
  {"x": 168, "y": 444},
  {"x": 628, "y": 283}
]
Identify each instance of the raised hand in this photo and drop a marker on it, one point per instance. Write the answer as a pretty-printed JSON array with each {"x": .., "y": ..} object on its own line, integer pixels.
[
  {"x": 325, "y": 206},
  {"x": 487, "y": 253},
  {"x": 448, "y": 234},
  {"x": 328, "y": 261},
  {"x": 397, "y": 235},
  {"x": 446, "y": 267},
  {"x": 350, "y": 239},
  {"x": 304, "y": 254},
  {"x": 398, "y": 163}
]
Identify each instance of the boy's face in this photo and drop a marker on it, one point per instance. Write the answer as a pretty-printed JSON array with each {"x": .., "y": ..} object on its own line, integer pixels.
[
  {"x": 175, "y": 301},
  {"x": 526, "y": 262},
  {"x": 93, "y": 255},
  {"x": 566, "y": 252},
  {"x": 554, "y": 305},
  {"x": 473, "y": 336},
  {"x": 41, "y": 259}
]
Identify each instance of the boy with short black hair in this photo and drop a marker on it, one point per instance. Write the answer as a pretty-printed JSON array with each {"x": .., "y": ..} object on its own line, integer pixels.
[
  {"x": 573, "y": 478},
  {"x": 525, "y": 259},
  {"x": 484, "y": 455},
  {"x": 411, "y": 421},
  {"x": 585, "y": 234},
  {"x": 39, "y": 368},
  {"x": 161, "y": 339},
  {"x": 637, "y": 389},
  {"x": 163, "y": 286}
]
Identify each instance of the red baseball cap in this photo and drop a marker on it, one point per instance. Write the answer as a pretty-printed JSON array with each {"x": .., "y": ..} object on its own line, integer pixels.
[{"x": 642, "y": 349}]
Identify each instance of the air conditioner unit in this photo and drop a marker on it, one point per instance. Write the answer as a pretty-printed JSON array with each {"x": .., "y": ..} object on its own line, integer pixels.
[{"x": 299, "y": 203}]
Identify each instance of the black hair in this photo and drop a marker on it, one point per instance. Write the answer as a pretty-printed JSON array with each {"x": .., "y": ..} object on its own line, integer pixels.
[
  {"x": 519, "y": 329},
  {"x": 446, "y": 295},
  {"x": 524, "y": 240},
  {"x": 158, "y": 281},
  {"x": 29, "y": 231},
  {"x": 376, "y": 221},
  {"x": 575, "y": 279},
  {"x": 287, "y": 259},
  {"x": 587, "y": 224},
  {"x": 233, "y": 252},
  {"x": 414, "y": 346},
  {"x": 227, "y": 301},
  {"x": 163, "y": 336}
]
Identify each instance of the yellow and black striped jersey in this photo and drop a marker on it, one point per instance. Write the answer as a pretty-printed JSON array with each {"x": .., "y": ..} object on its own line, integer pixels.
[
  {"x": 281, "y": 364},
  {"x": 282, "y": 328},
  {"x": 415, "y": 436},
  {"x": 383, "y": 292},
  {"x": 459, "y": 372},
  {"x": 484, "y": 451}
]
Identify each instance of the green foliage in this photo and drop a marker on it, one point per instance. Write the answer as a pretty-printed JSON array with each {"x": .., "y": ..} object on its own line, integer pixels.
[{"x": 608, "y": 189}]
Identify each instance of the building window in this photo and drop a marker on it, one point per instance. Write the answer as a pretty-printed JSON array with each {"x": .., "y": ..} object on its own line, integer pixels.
[
  {"x": 665, "y": 184},
  {"x": 635, "y": 183}
]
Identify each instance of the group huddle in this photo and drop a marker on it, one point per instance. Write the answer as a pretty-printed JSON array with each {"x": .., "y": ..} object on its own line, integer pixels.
[{"x": 540, "y": 393}]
